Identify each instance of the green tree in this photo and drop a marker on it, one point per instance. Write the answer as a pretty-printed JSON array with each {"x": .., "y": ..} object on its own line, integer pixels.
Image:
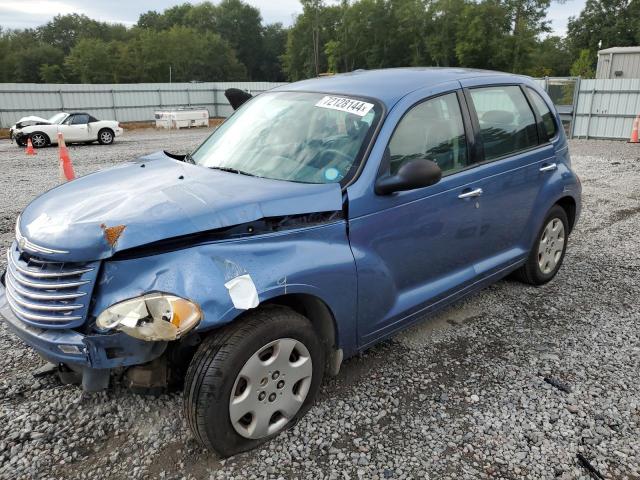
[
  {"x": 583, "y": 66},
  {"x": 527, "y": 21},
  {"x": 52, "y": 73},
  {"x": 604, "y": 24},
  {"x": 64, "y": 31},
  {"x": 191, "y": 55},
  {"x": 482, "y": 36},
  {"x": 31, "y": 58},
  {"x": 91, "y": 61},
  {"x": 305, "y": 55},
  {"x": 442, "y": 37},
  {"x": 550, "y": 58},
  {"x": 240, "y": 24},
  {"x": 274, "y": 42}
]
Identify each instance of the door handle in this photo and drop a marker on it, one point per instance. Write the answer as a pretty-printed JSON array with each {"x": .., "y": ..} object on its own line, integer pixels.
[
  {"x": 472, "y": 193},
  {"x": 549, "y": 168}
]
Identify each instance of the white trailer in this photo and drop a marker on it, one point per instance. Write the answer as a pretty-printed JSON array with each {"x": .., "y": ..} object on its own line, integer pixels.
[{"x": 186, "y": 117}]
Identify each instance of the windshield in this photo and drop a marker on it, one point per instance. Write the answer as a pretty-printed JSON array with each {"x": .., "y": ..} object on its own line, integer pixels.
[
  {"x": 58, "y": 118},
  {"x": 301, "y": 137}
]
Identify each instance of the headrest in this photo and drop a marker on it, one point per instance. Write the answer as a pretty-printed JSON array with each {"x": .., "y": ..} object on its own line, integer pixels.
[{"x": 498, "y": 116}]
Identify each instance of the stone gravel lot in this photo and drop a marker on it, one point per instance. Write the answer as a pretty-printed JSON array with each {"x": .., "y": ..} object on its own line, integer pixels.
[{"x": 462, "y": 395}]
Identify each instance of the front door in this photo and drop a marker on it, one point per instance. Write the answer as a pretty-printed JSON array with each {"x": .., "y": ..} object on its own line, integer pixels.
[
  {"x": 75, "y": 128},
  {"x": 421, "y": 245}
]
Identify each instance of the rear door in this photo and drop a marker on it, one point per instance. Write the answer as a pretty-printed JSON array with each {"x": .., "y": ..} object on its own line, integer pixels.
[{"x": 514, "y": 163}]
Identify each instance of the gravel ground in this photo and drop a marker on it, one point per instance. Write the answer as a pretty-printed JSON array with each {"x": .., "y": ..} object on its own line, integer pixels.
[{"x": 460, "y": 396}]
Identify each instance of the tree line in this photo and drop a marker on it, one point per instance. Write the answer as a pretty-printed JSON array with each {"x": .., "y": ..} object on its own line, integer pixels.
[{"x": 229, "y": 41}]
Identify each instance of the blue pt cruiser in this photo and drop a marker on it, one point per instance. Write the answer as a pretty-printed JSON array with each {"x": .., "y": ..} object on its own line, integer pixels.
[{"x": 320, "y": 218}]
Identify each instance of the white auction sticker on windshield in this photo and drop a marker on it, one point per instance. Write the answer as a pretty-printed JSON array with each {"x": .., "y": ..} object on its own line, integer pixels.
[{"x": 349, "y": 105}]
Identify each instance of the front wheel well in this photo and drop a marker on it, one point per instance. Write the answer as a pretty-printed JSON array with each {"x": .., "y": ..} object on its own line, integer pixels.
[
  {"x": 323, "y": 321},
  {"x": 309, "y": 306},
  {"x": 568, "y": 204}
]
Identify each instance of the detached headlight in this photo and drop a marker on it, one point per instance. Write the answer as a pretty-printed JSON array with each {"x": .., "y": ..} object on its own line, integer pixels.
[{"x": 152, "y": 317}]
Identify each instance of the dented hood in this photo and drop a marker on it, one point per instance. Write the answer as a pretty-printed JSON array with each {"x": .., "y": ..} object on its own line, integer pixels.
[
  {"x": 32, "y": 120},
  {"x": 158, "y": 198}
]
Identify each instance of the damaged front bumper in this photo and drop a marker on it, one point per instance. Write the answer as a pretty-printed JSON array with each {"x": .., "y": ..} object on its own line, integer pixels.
[
  {"x": 18, "y": 137},
  {"x": 92, "y": 355}
]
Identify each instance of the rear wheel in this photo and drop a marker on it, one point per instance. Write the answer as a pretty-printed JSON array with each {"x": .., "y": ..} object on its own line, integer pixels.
[
  {"x": 545, "y": 258},
  {"x": 39, "y": 139},
  {"x": 105, "y": 136},
  {"x": 249, "y": 381}
]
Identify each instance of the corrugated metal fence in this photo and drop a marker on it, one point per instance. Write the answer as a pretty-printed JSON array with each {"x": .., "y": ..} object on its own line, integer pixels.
[
  {"x": 122, "y": 102},
  {"x": 605, "y": 108},
  {"x": 602, "y": 108}
]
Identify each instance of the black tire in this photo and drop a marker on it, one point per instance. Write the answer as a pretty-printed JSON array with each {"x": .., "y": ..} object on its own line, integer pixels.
[
  {"x": 39, "y": 139},
  {"x": 531, "y": 272},
  {"x": 217, "y": 363},
  {"x": 106, "y": 136}
]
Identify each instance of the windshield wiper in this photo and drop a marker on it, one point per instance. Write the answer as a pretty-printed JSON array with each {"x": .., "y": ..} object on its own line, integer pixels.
[
  {"x": 189, "y": 159},
  {"x": 232, "y": 170}
]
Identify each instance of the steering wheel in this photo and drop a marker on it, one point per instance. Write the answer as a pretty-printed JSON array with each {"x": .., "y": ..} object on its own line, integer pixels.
[{"x": 335, "y": 153}]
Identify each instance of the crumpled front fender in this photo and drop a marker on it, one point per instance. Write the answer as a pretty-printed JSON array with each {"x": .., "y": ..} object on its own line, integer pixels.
[{"x": 314, "y": 260}]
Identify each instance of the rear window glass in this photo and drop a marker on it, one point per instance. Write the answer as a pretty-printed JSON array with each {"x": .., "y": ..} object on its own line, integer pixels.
[
  {"x": 545, "y": 112},
  {"x": 507, "y": 123}
]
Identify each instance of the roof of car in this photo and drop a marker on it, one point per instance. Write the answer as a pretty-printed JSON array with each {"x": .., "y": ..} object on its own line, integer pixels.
[{"x": 387, "y": 85}]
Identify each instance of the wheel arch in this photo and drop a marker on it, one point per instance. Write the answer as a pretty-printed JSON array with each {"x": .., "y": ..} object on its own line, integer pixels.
[
  {"x": 319, "y": 314},
  {"x": 568, "y": 204}
]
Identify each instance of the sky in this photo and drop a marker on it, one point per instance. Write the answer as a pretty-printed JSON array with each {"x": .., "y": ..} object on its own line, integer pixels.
[{"x": 31, "y": 13}]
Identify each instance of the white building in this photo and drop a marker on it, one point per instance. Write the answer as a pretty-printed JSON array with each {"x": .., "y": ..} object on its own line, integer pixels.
[{"x": 619, "y": 62}]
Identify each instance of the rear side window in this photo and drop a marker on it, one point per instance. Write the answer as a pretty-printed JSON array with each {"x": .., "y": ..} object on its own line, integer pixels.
[
  {"x": 545, "y": 112},
  {"x": 507, "y": 123},
  {"x": 433, "y": 130}
]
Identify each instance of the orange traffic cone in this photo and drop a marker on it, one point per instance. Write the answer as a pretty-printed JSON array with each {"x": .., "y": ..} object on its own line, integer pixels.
[
  {"x": 634, "y": 131},
  {"x": 66, "y": 167},
  {"x": 29, "y": 150}
]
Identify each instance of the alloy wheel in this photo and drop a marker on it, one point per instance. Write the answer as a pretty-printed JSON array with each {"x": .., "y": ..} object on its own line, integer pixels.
[
  {"x": 106, "y": 137},
  {"x": 38, "y": 140}
]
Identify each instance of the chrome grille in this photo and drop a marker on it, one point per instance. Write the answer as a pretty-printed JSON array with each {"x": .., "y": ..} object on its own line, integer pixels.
[{"x": 48, "y": 294}]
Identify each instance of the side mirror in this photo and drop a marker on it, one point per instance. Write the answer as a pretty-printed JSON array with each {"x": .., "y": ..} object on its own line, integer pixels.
[{"x": 416, "y": 173}]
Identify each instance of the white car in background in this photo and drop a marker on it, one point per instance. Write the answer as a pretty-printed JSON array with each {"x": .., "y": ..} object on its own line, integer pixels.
[{"x": 75, "y": 127}]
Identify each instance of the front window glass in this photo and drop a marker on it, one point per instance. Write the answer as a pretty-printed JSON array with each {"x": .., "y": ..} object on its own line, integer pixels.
[
  {"x": 81, "y": 119},
  {"x": 432, "y": 130},
  {"x": 301, "y": 137},
  {"x": 507, "y": 124},
  {"x": 58, "y": 118}
]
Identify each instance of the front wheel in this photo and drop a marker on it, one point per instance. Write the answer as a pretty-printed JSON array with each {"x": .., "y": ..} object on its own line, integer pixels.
[
  {"x": 547, "y": 254},
  {"x": 39, "y": 139},
  {"x": 252, "y": 379}
]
